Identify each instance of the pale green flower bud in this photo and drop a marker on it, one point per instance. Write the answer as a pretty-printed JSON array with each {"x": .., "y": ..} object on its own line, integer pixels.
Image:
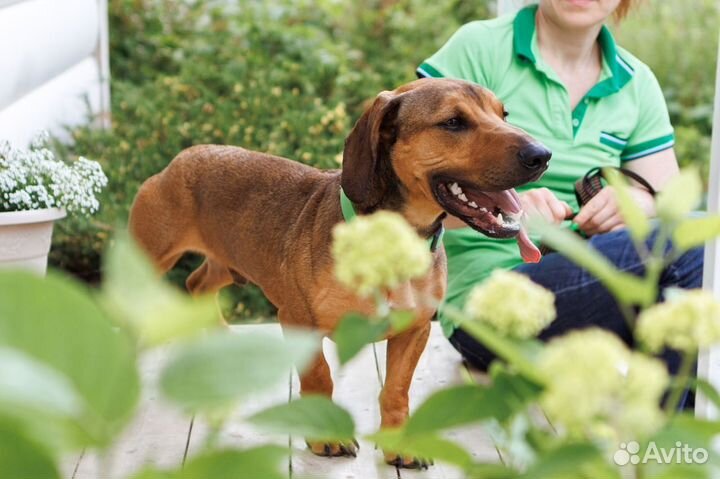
[
  {"x": 595, "y": 384},
  {"x": 378, "y": 251},
  {"x": 690, "y": 320},
  {"x": 512, "y": 304}
]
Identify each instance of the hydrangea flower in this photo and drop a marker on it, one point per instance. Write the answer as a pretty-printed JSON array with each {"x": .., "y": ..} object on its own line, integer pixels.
[
  {"x": 34, "y": 179},
  {"x": 378, "y": 251},
  {"x": 688, "y": 321},
  {"x": 596, "y": 387},
  {"x": 512, "y": 304}
]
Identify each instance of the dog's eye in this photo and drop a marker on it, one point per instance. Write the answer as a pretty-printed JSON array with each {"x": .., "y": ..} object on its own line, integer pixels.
[
  {"x": 505, "y": 114},
  {"x": 454, "y": 124}
]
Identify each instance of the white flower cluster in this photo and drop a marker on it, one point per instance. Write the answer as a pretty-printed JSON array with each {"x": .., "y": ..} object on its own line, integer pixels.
[
  {"x": 512, "y": 304},
  {"x": 34, "y": 179},
  {"x": 378, "y": 251},
  {"x": 598, "y": 388}
]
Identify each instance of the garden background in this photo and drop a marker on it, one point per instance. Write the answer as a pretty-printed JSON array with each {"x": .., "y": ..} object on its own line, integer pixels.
[{"x": 289, "y": 77}]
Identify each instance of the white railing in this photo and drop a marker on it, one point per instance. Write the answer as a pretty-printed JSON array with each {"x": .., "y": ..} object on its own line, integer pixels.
[
  {"x": 55, "y": 66},
  {"x": 709, "y": 361}
]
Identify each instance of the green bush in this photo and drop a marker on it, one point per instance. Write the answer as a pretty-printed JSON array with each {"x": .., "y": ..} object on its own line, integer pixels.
[
  {"x": 290, "y": 76},
  {"x": 285, "y": 77},
  {"x": 679, "y": 41}
]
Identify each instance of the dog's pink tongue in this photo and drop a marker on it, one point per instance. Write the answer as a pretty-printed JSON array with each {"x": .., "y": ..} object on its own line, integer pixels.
[{"x": 529, "y": 252}]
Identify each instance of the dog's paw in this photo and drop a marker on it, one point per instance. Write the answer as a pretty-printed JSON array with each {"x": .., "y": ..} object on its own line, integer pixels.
[
  {"x": 408, "y": 462},
  {"x": 333, "y": 449}
]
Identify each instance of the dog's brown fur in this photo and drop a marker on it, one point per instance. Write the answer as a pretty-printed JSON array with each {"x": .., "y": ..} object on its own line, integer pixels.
[{"x": 268, "y": 220}]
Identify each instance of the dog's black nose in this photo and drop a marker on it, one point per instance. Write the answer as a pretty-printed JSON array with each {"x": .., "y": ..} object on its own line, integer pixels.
[{"x": 534, "y": 156}]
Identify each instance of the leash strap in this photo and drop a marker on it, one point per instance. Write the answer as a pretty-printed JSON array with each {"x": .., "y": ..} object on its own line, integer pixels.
[
  {"x": 591, "y": 184},
  {"x": 348, "y": 211}
]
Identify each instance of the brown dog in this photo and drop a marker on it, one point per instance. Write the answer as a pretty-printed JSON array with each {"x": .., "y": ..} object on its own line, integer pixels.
[{"x": 429, "y": 148}]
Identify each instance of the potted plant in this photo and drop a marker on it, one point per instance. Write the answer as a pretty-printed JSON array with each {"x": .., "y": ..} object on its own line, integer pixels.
[{"x": 37, "y": 189}]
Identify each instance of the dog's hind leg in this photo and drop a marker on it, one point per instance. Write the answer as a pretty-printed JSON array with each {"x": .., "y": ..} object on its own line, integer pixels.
[{"x": 208, "y": 278}]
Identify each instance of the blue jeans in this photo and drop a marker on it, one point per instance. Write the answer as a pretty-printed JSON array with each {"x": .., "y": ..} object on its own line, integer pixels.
[{"x": 582, "y": 301}]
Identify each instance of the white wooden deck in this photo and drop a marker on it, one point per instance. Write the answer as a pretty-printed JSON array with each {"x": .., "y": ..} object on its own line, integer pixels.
[{"x": 163, "y": 436}]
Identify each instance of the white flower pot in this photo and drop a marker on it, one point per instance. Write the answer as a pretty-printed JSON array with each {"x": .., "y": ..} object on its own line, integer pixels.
[{"x": 25, "y": 238}]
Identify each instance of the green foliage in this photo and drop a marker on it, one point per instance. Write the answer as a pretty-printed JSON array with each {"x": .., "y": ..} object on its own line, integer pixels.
[
  {"x": 22, "y": 458},
  {"x": 213, "y": 373},
  {"x": 679, "y": 42},
  {"x": 158, "y": 311},
  {"x": 354, "y": 332},
  {"x": 69, "y": 379},
  {"x": 260, "y": 462},
  {"x": 62, "y": 332},
  {"x": 315, "y": 417}
]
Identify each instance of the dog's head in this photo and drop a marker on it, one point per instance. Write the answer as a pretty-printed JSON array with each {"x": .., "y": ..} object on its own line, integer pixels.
[{"x": 442, "y": 145}]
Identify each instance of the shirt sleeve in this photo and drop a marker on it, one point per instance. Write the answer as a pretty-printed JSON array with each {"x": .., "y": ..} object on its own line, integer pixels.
[
  {"x": 653, "y": 132},
  {"x": 462, "y": 56}
]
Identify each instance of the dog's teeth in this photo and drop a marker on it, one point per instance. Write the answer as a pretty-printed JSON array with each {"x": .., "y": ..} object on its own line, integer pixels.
[
  {"x": 483, "y": 209},
  {"x": 499, "y": 218},
  {"x": 463, "y": 197},
  {"x": 455, "y": 188},
  {"x": 473, "y": 204}
]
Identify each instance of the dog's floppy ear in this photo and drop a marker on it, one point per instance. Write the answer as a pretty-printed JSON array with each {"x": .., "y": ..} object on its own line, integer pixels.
[{"x": 366, "y": 169}]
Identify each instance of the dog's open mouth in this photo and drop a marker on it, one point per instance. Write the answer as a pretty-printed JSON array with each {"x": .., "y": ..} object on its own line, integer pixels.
[{"x": 495, "y": 214}]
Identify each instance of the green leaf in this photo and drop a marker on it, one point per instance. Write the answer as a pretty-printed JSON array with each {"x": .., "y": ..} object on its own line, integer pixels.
[
  {"x": 21, "y": 458},
  {"x": 511, "y": 388},
  {"x": 455, "y": 406},
  {"x": 40, "y": 399},
  {"x": 68, "y": 332},
  {"x": 687, "y": 429},
  {"x": 695, "y": 232},
  {"x": 315, "y": 417},
  {"x": 135, "y": 294},
  {"x": 679, "y": 196},
  {"x": 491, "y": 471},
  {"x": 220, "y": 369},
  {"x": 509, "y": 350},
  {"x": 625, "y": 287},
  {"x": 428, "y": 446},
  {"x": 354, "y": 332},
  {"x": 708, "y": 390},
  {"x": 266, "y": 462},
  {"x": 675, "y": 471},
  {"x": 572, "y": 461},
  {"x": 635, "y": 218},
  {"x": 401, "y": 320}
]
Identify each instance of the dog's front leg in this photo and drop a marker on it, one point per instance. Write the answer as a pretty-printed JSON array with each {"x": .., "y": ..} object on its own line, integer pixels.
[
  {"x": 317, "y": 380},
  {"x": 403, "y": 353}
]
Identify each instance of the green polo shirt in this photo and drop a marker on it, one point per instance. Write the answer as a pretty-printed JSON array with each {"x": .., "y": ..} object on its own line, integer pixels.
[{"x": 622, "y": 118}]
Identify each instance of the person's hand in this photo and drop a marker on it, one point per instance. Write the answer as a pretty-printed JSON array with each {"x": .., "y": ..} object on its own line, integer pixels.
[
  {"x": 543, "y": 202},
  {"x": 601, "y": 214}
]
